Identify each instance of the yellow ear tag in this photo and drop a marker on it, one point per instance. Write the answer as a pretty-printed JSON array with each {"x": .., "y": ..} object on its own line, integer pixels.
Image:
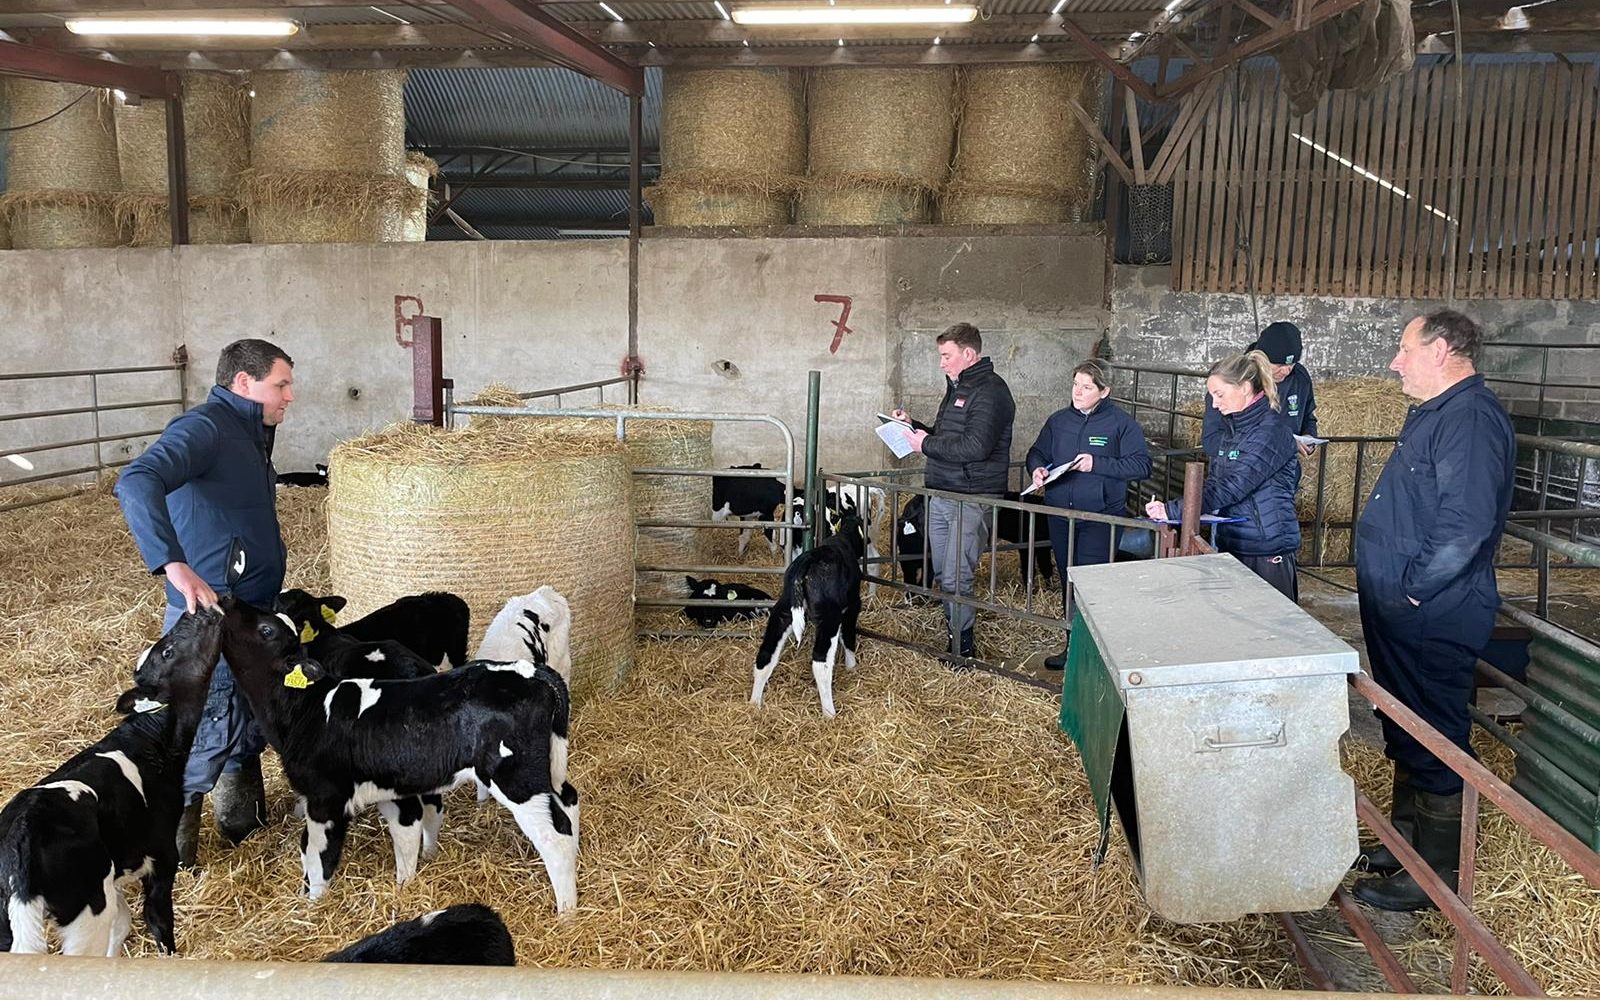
[
  {"x": 327, "y": 614},
  {"x": 732, "y": 596},
  {"x": 307, "y": 633},
  {"x": 296, "y": 679}
]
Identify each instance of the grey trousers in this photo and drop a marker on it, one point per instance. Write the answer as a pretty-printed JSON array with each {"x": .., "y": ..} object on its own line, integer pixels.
[
  {"x": 955, "y": 559},
  {"x": 227, "y": 735}
]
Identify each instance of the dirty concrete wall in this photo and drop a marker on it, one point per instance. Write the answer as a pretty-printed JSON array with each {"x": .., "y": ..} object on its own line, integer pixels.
[
  {"x": 1355, "y": 336},
  {"x": 724, "y": 324}
]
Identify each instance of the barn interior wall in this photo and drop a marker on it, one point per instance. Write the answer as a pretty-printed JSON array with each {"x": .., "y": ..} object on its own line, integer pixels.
[
  {"x": 724, "y": 324},
  {"x": 1353, "y": 336}
]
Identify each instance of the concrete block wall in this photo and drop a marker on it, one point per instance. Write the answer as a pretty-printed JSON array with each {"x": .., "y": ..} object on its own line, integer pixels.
[{"x": 725, "y": 324}]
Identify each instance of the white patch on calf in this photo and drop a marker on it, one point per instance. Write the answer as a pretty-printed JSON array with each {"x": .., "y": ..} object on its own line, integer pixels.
[
  {"x": 798, "y": 624},
  {"x": 311, "y": 857},
  {"x": 711, "y": 590},
  {"x": 367, "y": 794},
  {"x": 128, "y": 770},
  {"x": 369, "y": 696},
  {"x": 558, "y": 852},
  {"x": 558, "y": 761},
  {"x": 721, "y": 513},
  {"x": 376, "y": 656},
  {"x": 289, "y": 622},
  {"x": 407, "y": 839},
  {"x": 97, "y": 934},
  {"x": 523, "y": 667},
  {"x": 73, "y": 789},
  {"x": 908, "y": 528},
  {"x": 505, "y": 751},
  {"x": 28, "y": 935},
  {"x": 430, "y": 917},
  {"x": 143, "y": 657}
]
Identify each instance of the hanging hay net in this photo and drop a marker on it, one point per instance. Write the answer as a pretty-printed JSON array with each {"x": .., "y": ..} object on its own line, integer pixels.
[
  {"x": 216, "y": 125},
  {"x": 655, "y": 444},
  {"x": 1020, "y": 155},
  {"x": 1360, "y": 49},
  {"x": 420, "y": 171},
  {"x": 489, "y": 513},
  {"x": 733, "y": 147},
  {"x": 327, "y": 158},
  {"x": 62, "y": 176},
  {"x": 877, "y": 129}
]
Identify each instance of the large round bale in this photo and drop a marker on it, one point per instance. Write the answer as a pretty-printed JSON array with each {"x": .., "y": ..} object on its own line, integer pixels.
[
  {"x": 733, "y": 147},
  {"x": 62, "y": 177},
  {"x": 1020, "y": 154},
  {"x": 657, "y": 444},
  {"x": 216, "y": 127},
  {"x": 5, "y": 141},
  {"x": 327, "y": 158},
  {"x": 488, "y": 513},
  {"x": 881, "y": 130},
  {"x": 1351, "y": 407},
  {"x": 420, "y": 172}
]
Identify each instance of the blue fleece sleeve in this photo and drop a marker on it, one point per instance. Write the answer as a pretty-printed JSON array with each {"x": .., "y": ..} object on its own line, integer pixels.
[
  {"x": 1259, "y": 460},
  {"x": 186, "y": 449},
  {"x": 1468, "y": 463}
]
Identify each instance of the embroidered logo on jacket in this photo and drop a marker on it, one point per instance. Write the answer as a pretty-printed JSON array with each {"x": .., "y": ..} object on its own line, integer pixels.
[
  {"x": 961, "y": 401},
  {"x": 1097, "y": 442}
]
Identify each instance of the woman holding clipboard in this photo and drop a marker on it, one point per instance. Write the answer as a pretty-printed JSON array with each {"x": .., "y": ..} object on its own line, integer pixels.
[
  {"x": 1252, "y": 473},
  {"x": 1084, "y": 458}
]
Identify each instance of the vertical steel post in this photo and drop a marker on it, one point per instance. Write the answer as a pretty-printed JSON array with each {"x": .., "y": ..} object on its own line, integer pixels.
[
  {"x": 1194, "y": 480},
  {"x": 177, "y": 171},
  {"x": 94, "y": 401},
  {"x": 813, "y": 488},
  {"x": 427, "y": 362},
  {"x": 635, "y": 168}
]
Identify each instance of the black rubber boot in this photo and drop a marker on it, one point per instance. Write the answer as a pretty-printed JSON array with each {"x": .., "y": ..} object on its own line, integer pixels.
[
  {"x": 189, "y": 834},
  {"x": 1377, "y": 858},
  {"x": 1438, "y": 840},
  {"x": 1059, "y": 660},
  {"x": 969, "y": 644},
  {"x": 240, "y": 801}
]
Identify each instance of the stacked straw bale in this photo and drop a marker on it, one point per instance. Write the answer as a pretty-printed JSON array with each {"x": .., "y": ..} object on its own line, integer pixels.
[
  {"x": 1352, "y": 407},
  {"x": 327, "y": 158},
  {"x": 733, "y": 147},
  {"x": 5, "y": 141},
  {"x": 879, "y": 145},
  {"x": 1020, "y": 155},
  {"x": 216, "y": 126},
  {"x": 658, "y": 444},
  {"x": 420, "y": 170},
  {"x": 62, "y": 178},
  {"x": 488, "y": 513}
]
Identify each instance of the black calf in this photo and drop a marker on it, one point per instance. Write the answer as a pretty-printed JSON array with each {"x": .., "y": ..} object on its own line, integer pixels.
[
  {"x": 467, "y": 934},
  {"x": 716, "y": 590},
  {"x": 1012, "y": 526},
  {"x": 433, "y": 625}
]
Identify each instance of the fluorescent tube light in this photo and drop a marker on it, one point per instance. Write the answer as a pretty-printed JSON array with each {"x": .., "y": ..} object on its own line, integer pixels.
[
  {"x": 720, "y": 9},
  {"x": 856, "y": 14},
  {"x": 251, "y": 27},
  {"x": 592, "y": 232},
  {"x": 607, "y": 8}
]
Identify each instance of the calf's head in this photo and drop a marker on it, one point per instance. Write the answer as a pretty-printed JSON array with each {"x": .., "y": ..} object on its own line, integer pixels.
[
  {"x": 311, "y": 614},
  {"x": 265, "y": 646},
  {"x": 180, "y": 662}
]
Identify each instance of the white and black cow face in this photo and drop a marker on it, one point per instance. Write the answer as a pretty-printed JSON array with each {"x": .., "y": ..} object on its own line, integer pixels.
[
  {"x": 270, "y": 640},
  {"x": 187, "y": 653}
]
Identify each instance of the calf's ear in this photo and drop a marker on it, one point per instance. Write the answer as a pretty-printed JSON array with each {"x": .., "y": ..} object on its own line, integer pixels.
[{"x": 334, "y": 603}]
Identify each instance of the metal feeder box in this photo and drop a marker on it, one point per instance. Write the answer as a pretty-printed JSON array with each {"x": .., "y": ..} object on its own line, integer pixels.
[{"x": 1208, "y": 708}]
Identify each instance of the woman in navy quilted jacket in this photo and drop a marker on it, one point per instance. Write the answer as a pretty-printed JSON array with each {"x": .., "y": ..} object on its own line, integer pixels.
[{"x": 1253, "y": 473}]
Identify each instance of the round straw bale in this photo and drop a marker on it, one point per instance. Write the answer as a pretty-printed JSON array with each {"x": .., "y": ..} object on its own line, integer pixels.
[
  {"x": 1019, "y": 145},
  {"x": 420, "y": 169},
  {"x": 212, "y": 219},
  {"x": 488, "y": 513},
  {"x": 740, "y": 128},
  {"x": 5, "y": 142},
  {"x": 883, "y": 126},
  {"x": 1352, "y": 407},
  {"x": 62, "y": 176},
  {"x": 344, "y": 121},
  {"x": 677, "y": 203},
  {"x": 657, "y": 444},
  {"x": 322, "y": 207},
  {"x": 861, "y": 205}
]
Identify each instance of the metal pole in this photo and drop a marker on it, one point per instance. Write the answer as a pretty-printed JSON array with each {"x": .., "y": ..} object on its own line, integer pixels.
[
  {"x": 427, "y": 360},
  {"x": 635, "y": 166},
  {"x": 94, "y": 401},
  {"x": 813, "y": 488},
  {"x": 177, "y": 169},
  {"x": 1194, "y": 480}
]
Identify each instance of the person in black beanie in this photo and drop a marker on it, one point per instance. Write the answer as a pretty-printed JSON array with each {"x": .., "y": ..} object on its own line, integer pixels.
[{"x": 1280, "y": 342}]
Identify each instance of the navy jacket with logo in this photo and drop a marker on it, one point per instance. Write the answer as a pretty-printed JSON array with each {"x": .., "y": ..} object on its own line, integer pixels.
[
  {"x": 207, "y": 482},
  {"x": 969, "y": 449},
  {"x": 1296, "y": 403},
  {"x": 1433, "y": 523},
  {"x": 1120, "y": 456},
  {"x": 1253, "y": 473}
]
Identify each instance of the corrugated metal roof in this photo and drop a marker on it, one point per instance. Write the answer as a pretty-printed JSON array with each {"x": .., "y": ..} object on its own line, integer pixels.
[
  {"x": 524, "y": 108},
  {"x": 506, "y": 204},
  {"x": 637, "y": 10}
]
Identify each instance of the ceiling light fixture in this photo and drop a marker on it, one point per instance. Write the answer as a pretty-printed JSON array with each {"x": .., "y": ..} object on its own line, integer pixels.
[
  {"x": 720, "y": 9},
  {"x": 856, "y": 14},
  {"x": 1035, "y": 38},
  {"x": 385, "y": 13},
  {"x": 245, "y": 27},
  {"x": 1059, "y": 5},
  {"x": 607, "y": 8},
  {"x": 937, "y": 39}
]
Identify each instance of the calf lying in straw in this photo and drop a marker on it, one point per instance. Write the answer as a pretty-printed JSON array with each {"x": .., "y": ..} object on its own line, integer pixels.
[
  {"x": 467, "y": 934},
  {"x": 826, "y": 584},
  {"x": 110, "y": 814},
  {"x": 348, "y": 744}
]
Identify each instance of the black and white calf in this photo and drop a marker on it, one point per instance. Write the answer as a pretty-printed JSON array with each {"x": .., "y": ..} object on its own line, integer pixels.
[
  {"x": 911, "y": 530},
  {"x": 1012, "y": 526},
  {"x": 466, "y": 934},
  {"x": 433, "y": 625},
  {"x": 110, "y": 814},
  {"x": 716, "y": 590},
  {"x": 348, "y": 744},
  {"x": 537, "y": 627},
  {"x": 825, "y": 584},
  {"x": 318, "y": 478},
  {"x": 413, "y": 823},
  {"x": 758, "y": 498}
]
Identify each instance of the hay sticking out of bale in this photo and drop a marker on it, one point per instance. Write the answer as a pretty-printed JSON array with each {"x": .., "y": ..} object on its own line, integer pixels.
[
  {"x": 420, "y": 169},
  {"x": 147, "y": 223},
  {"x": 1351, "y": 407},
  {"x": 940, "y": 826},
  {"x": 488, "y": 513},
  {"x": 835, "y": 204},
  {"x": 1020, "y": 155},
  {"x": 62, "y": 173},
  {"x": 308, "y": 207}
]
